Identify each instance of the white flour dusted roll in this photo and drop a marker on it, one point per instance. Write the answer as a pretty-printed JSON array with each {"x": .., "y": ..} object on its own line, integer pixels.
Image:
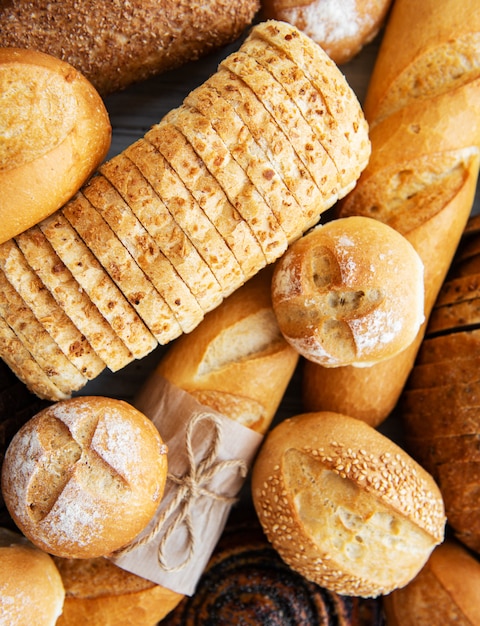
[
  {"x": 83, "y": 477},
  {"x": 349, "y": 293}
]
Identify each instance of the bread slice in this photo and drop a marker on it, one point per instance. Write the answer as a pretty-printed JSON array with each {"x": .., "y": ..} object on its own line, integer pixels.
[
  {"x": 451, "y": 346},
  {"x": 86, "y": 216},
  {"x": 287, "y": 115},
  {"x": 454, "y": 316},
  {"x": 119, "y": 265},
  {"x": 172, "y": 240},
  {"x": 251, "y": 158},
  {"x": 21, "y": 362},
  {"x": 37, "y": 341},
  {"x": 188, "y": 214},
  {"x": 125, "y": 177},
  {"x": 239, "y": 189},
  {"x": 69, "y": 296},
  {"x": 447, "y": 372},
  {"x": 271, "y": 138},
  {"x": 459, "y": 289},
  {"x": 48, "y": 312},
  {"x": 309, "y": 100},
  {"x": 341, "y": 102},
  {"x": 209, "y": 194},
  {"x": 98, "y": 285}
]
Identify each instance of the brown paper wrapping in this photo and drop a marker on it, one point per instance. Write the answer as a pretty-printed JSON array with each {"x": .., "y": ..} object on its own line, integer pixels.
[{"x": 208, "y": 458}]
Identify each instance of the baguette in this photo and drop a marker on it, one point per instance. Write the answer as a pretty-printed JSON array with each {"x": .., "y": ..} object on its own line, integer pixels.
[
  {"x": 421, "y": 178},
  {"x": 118, "y": 43}
]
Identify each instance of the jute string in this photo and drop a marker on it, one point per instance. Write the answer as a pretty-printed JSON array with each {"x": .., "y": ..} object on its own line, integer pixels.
[{"x": 190, "y": 487}]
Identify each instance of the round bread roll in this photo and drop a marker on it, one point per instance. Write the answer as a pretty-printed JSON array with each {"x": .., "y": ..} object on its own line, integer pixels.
[
  {"x": 340, "y": 27},
  {"x": 349, "y": 292},
  {"x": 446, "y": 588},
  {"x": 99, "y": 593},
  {"x": 31, "y": 588},
  {"x": 84, "y": 476},
  {"x": 345, "y": 506},
  {"x": 54, "y": 131}
]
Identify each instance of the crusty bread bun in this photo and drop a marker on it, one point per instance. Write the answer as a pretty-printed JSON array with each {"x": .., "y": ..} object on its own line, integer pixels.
[
  {"x": 31, "y": 588},
  {"x": 116, "y": 44},
  {"x": 55, "y": 131},
  {"x": 99, "y": 593},
  {"x": 349, "y": 292},
  {"x": 345, "y": 506},
  {"x": 340, "y": 27},
  {"x": 446, "y": 589},
  {"x": 84, "y": 476}
]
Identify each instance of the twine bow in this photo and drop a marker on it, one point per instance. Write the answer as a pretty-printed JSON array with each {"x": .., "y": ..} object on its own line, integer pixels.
[{"x": 191, "y": 485}]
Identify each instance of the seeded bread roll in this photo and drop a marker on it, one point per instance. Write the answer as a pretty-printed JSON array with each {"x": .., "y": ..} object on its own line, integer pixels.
[
  {"x": 349, "y": 293},
  {"x": 30, "y": 583},
  {"x": 345, "y": 506},
  {"x": 56, "y": 131},
  {"x": 83, "y": 477},
  {"x": 340, "y": 27}
]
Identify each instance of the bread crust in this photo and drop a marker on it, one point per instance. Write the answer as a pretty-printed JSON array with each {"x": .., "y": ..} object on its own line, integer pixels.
[
  {"x": 67, "y": 145},
  {"x": 74, "y": 487},
  {"x": 349, "y": 292},
  {"x": 30, "y": 581},
  {"x": 121, "y": 44},
  {"x": 321, "y": 479},
  {"x": 447, "y": 587}
]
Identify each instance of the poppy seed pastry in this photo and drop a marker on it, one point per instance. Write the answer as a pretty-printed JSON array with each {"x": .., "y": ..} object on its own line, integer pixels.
[
  {"x": 344, "y": 506},
  {"x": 84, "y": 476},
  {"x": 246, "y": 582},
  {"x": 349, "y": 292}
]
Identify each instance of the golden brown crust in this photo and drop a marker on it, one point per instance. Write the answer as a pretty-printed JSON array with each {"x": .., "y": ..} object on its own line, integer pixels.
[
  {"x": 71, "y": 483},
  {"x": 349, "y": 292},
  {"x": 320, "y": 482},
  {"x": 236, "y": 361},
  {"x": 30, "y": 583},
  {"x": 341, "y": 28},
  {"x": 98, "y": 592},
  {"x": 67, "y": 144},
  {"x": 446, "y": 587},
  {"x": 126, "y": 43}
]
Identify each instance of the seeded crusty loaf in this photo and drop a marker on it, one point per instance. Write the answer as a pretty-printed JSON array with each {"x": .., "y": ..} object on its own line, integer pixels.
[
  {"x": 345, "y": 506},
  {"x": 214, "y": 192},
  {"x": 54, "y": 127},
  {"x": 116, "y": 44}
]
